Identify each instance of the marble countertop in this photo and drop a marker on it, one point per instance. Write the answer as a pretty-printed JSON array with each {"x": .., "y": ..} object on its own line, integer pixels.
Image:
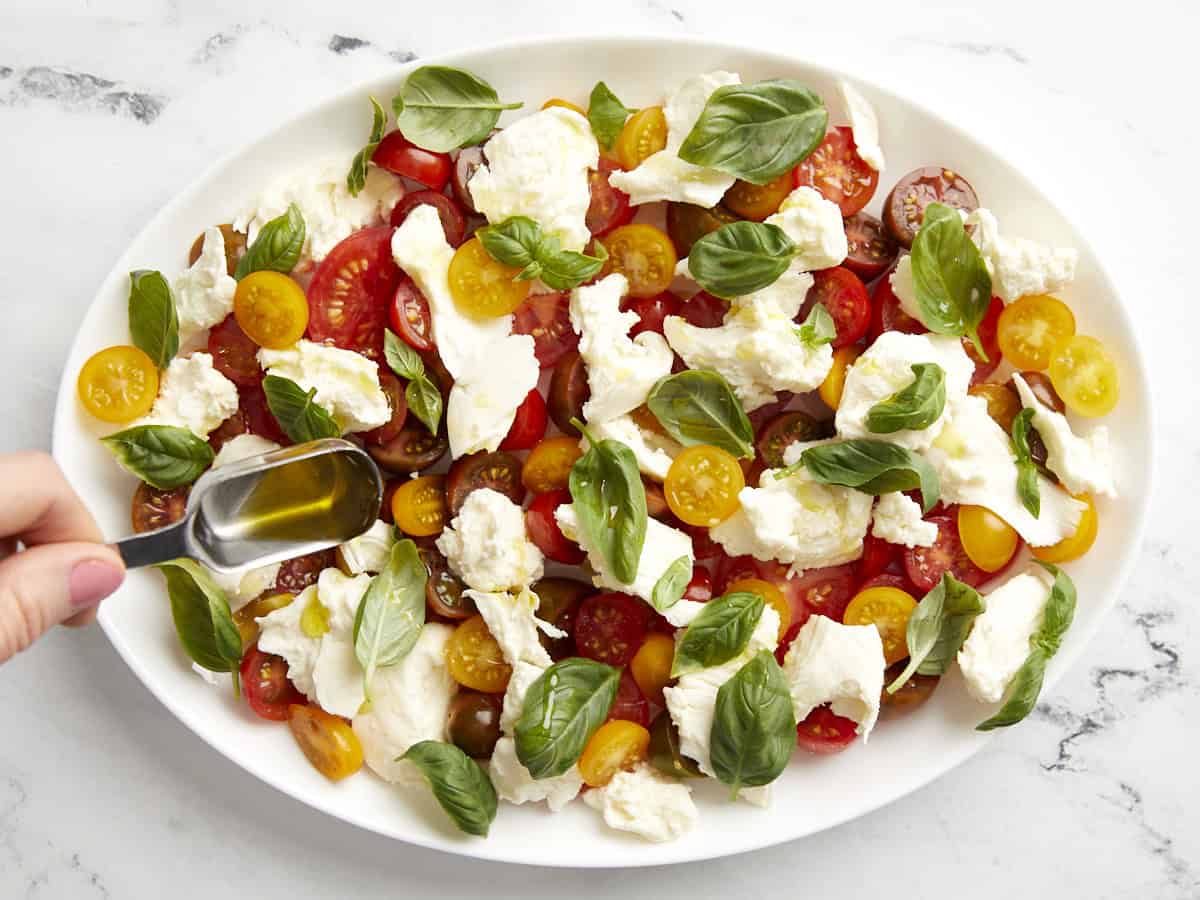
[{"x": 107, "y": 109}]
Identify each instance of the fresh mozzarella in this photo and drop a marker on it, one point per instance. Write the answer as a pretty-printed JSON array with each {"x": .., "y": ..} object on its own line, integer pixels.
[
  {"x": 620, "y": 371},
  {"x": 897, "y": 520},
  {"x": 645, "y": 803},
  {"x": 193, "y": 395},
  {"x": 486, "y": 545},
  {"x": 663, "y": 175},
  {"x": 204, "y": 293},
  {"x": 488, "y": 391},
  {"x": 347, "y": 383},
  {"x": 370, "y": 551},
  {"x": 1081, "y": 463},
  {"x": 279, "y": 632},
  {"x": 654, "y": 452},
  {"x": 245, "y": 584},
  {"x": 864, "y": 125},
  {"x": 240, "y": 447},
  {"x": 538, "y": 167},
  {"x": 514, "y": 783},
  {"x": 815, "y": 226},
  {"x": 999, "y": 641},
  {"x": 905, "y": 288},
  {"x": 1021, "y": 267},
  {"x": 841, "y": 665}
]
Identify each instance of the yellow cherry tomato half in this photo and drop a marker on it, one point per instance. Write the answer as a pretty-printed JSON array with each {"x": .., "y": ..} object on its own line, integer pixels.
[
  {"x": 1031, "y": 327},
  {"x": 757, "y": 201},
  {"x": 616, "y": 745},
  {"x": 987, "y": 539},
  {"x": 271, "y": 308},
  {"x": 831, "y": 388},
  {"x": 651, "y": 666},
  {"x": 1003, "y": 404},
  {"x": 118, "y": 384},
  {"x": 549, "y": 464},
  {"x": 565, "y": 104},
  {"x": 327, "y": 740},
  {"x": 1074, "y": 545},
  {"x": 644, "y": 255},
  {"x": 771, "y": 595},
  {"x": 1085, "y": 376},
  {"x": 482, "y": 287},
  {"x": 702, "y": 485},
  {"x": 888, "y": 609},
  {"x": 474, "y": 658},
  {"x": 644, "y": 134},
  {"x": 245, "y": 618},
  {"x": 419, "y": 505}
]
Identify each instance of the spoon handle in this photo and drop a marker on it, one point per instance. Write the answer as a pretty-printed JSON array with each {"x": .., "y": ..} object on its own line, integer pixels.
[{"x": 154, "y": 546}]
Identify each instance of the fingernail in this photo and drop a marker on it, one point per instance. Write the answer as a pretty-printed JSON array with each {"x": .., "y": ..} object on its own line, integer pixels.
[{"x": 92, "y": 580}]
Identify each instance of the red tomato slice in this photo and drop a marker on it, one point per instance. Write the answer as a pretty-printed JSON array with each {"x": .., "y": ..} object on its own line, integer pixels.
[
  {"x": 529, "y": 424},
  {"x": 877, "y": 556},
  {"x": 397, "y": 154},
  {"x": 823, "y": 732},
  {"x": 925, "y": 565},
  {"x": 991, "y": 343},
  {"x": 544, "y": 531},
  {"x": 822, "y": 592},
  {"x": 888, "y": 316},
  {"x": 259, "y": 418},
  {"x": 298, "y": 573},
  {"x": 397, "y": 402},
  {"x": 228, "y": 430},
  {"x": 454, "y": 223},
  {"x": 838, "y": 173},
  {"x": 630, "y": 703},
  {"x": 234, "y": 355},
  {"x": 704, "y": 310},
  {"x": 844, "y": 296},
  {"x": 409, "y": 315},
  {"x": 609, "y": 207},
  {"x": 651, "y": 311},
  {"x": 547, "y": 319},
  {"x": 610, "y": 628},
  {"x": 871, "y": 249},
  {"x": 265, "y": 682},
  {"x": 351, "y": 292}
]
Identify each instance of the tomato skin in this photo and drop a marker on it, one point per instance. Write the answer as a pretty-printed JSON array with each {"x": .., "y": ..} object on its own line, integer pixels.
[
  {"x": 644, "y": 255},
  {"x": 823, "y": 732},
  {"x": 925, "y": 565},
  {"x": 445, "y": 597},
  {"x": 252, "y": 403},
  {"x": 419, "y": 506},
  {"x": 328, "y": 741},
  {"x": 546, "y": 318},
  {"x": 888, "y": 316},
  {"x": 397, "y": 154},
  {"x": 473, "y": 723},
  {"x": 234, "y": 355},
  {"x": 548, "y": 466},
  {"x": 904, "y": 208},
  {"x": 302, "y": 571},
  {"x": 785, "y": 643},
  {"x": 871, "y": 251},
  {"x": 351, "y": 291},
  {"x": 686, "y": 224},
  {"x": 910, "y": 695},
  {"x": 558, "y": 604},
  {"x": 568, "y": 392},
  {"x": 823, "y": 592},
  {"x": 610, "y": 628},
  {"x": 266, "y": 685},
  {"x": 837, "y": 172},
  {"x": 699, "y": 589},
  {"x": 235, "y": 248},
  {"x": 651, "y": 311},
  {"x": 651, "y": 667},
  {"x": 704, "y": 310},
  {"x": 454, "y": 221},
  {"x": 499, "y": 471},
  {"x": 529, "y": 423},
  {"x": 609, "y": 207},
  {"x": 466, "y": 163},
  {"x": 153, "y": 508},
  {"x": 878, "y": 555},
  {"x": 412, "y": 450},
  {"x": 703, "y": 546},
  {"x": 543, "y": 528},
  {"x": 630, "y": 704},
  {"x": 409, "y": 316},
  {"x": 830, "y": 390},
  {"x": 1002, "y": 400},
  {"x": 844, "y": 296}
]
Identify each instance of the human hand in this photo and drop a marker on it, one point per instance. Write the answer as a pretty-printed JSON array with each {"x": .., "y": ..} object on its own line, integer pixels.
[{"x": 64, "y": 568}]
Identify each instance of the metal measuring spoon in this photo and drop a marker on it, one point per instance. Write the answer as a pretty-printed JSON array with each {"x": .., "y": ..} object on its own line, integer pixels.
[{"x": 268, "y": 508}]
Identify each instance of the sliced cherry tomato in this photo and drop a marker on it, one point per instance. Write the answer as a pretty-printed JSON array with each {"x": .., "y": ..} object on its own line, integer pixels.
[
  {"x": 409, "y": 315},
  {"x": 475, "y": 659},
  {"x": 644, "y": 134},
  {"x": 1085, "y": 376},
  {"x": 1031, "y": 328},
  {"x": 878, "y": 556},
  {"x": 153, "y": 509},
  {"x": 651, "y": 311},
  {"x": 651, "y": 666},
  {"x": 616, "y": 745},
  {"x": 686, "y": 224},
  {"x": 904, "y": 209},
  {"x": 397, "y": 154},
  {"x": 473, "y": 724},
  {"x": 987, "y": 539},
  {"x": 412, "y": 450},
  {"x": 466, "y": 164},
  {"x": 888, "y": 315},
  {"x": 302, "y": 571},
  {"x": 543, "y": 529},
  {"x": 394, "y": 391},
  {"x": 845, "y": 298},
  {"x": 252, "y": 403},
  {"x": 757, "y": 201},
  {"x": 271, "y": 309},
  {"x": 830, "y": 390},
  {"x": 1002, "y": 400},
  {"x": 454, "y": 222},
  {"x": 265, "y": 682},
  {"x": 837, "y": 172},
  {"x": 704, "y": 310},
  {"x": 235, "y": 247},
  {"x": 644, "y": 255},
  {"x": 234, "y": 355},
  {"x": 246, "y": 618},
  {"x": 229, "y": 429},
  {"x": 987, "y": 336},
  {"x": 702, "y": 485},
  {"x": 925, "y": 565},
  {"x": 445, "y": 592},
  {"x": 630, "y": 704},
  {"x": 609, "y": 208},
  {"x": 889, "y": 610},
  {"x": 821, "y": 592},
  {"x": 529, "y": 423},
  {"x": 568, "y": 392},
  {"x": 351, "y": 291},
  {"x": 772, "y": 596},
  {"x": 482, "y": 287},
  {"x": 1077, "y": 544},
  {"x": 699, "y": 588},
  {"x": 499, "y": 471},
  {"x": 118, "y": 384},
  {"x": 871, "y": 250},
  {"x": 610, "y": 628},
  {"x": 419, "y": 506},
  {"x": 909, "y": 695},
  {"x": 546, "y": 317},
  {"x": 549, "y": 465},
  {"x": 328, "y": 741},
  {"x": 823, "y": 732},
  {"x": 558, "y": 604}
]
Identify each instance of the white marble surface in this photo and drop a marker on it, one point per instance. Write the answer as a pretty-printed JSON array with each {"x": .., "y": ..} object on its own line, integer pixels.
[{"x": 108, "y": 108}]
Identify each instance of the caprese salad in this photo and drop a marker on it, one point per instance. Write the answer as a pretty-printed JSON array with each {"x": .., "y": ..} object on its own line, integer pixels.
[{"x": 693, "y": 462}]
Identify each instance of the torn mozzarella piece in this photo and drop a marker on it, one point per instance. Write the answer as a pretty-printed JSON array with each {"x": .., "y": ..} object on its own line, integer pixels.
[
  {"x": 514, "y": 783},
  {"x": 897, "y": 520},
  {"x": 193, "y": 395},
  {"x": 815, "y": 226},
  {"x": 203, "y": 293},
  {"x": 346, "y": 382},
  {"x": 1082, "y": 464},
  {"x": 864, "y": 125},
  {"x": 1020, "y": 267},
  {"x": 486, "y": 545},
  {"x": 645, "y": 803},
  {"x": 654, "y": 452},
  {"x": 487, "y": 392},
  {"x": 370, "y": 551},
  {"x": 841, "y": 665},
  {"x": 999, "y": 641}
]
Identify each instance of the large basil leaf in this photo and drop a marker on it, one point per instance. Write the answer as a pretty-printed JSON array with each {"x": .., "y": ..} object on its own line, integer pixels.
[
  {"x": 873, "y": 467},
  {"x": 519, "y": 242},
  {"x": 277, "y": 245},
  {"x": 757, "y": 132},
  {"x": 950, "y": 277},
  {"x": 720, "y": 632},
  {"x": 391, "y": 613},
  {"x": 913, "y": 408},
  {"x": 442, "y": 108},
  {"x": 202, "y": 618},
  {"x": 422, "y": 395},
  {"x": 563, "y": 708},
  {"x": 1028, "y": 489},
  {"x": 606, "y": 114},
  {"x": 356, "y": 180},
  {"x": 699, "y": 407},
  {"x": 297, "y": 411},
  {"x": 610, "y": 502},
  {"x": 818, "y": 327},
  {"x": 163, "y": 456},
  {"x": 153, "y": 321},
  {"x": 938, "y": 627},
  {"x": 459, "y": 784},
  {"x": 754, "y": 726},
  {"x": 671, "y": 585},
  {"x": 740, "y": 258}
]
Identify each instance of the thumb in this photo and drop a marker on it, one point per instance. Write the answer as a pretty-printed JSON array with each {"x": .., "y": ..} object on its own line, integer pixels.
[{"x": 51, "y": 583}]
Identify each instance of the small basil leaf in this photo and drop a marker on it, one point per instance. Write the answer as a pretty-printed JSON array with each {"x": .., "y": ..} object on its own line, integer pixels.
[
  {"x": 459, "y": 784},
  {"x": 719, "y": 633},
  {"x": 163, "y": 456},
  {"x": 277, "y": 245},
  {"x": 950, "y": 277},
  {"x": 153, "y": 321},
  {"x": 873, "y": 467},
  {"x": 563, "y": 708},
  {"x": 519, "y": 242},
  {"x": 1028, "y": 488},
  {"x": 606, "y": 114},
  {"x": 671, "y": 585},
  {"x": 1059, "y": 612},
  {"x": 297, "y": 412},
  {"x": 425, "y": 402},
  {"x": 610, "y": 502},
  {"x": 513, "y": 242},
  {"x": 740, "y": 258},
  {"x": 441, "y": 108},
  {"x": 757, "y": 132},
  {"x": 1022, "y": 694},
  {"x": 754, "y": 725},
  {"x": 356, "y": 180},
  {"x": 938, "y": 627},
  {"x": 699, "y": 407},
  {"x": 401, "y": 358},
  {"x": 563, "y": 270},
  {"x": 818, "y": 327},
  {"x": 391, "y": 613},
  {"x": 202, "y": 618},
  {"x": 913, "y": 408}
]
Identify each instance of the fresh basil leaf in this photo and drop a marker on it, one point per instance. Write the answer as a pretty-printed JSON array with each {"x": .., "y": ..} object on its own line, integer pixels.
[
  {"x": 610, "y": 502},
  {"x": 873, "y": 467},
  {"x": 277, "y": 245},
  {"x": 758, "y": 131},
  {"x": 459, "y": 784},
  {"x": 514, "y": 241},
  {"x": 401, "y": 358},
  {"x": 391, "y": 613},
  {"x": 1028, "y": 488},
  {"x": 1022, "y": 694},
  {"x": 297, "y": 412},
  {"x": 202, "y": 618},
  {"x": 913, "y": 408},
  {"x": 1059, "y": 612},
  {"x": 664, "y": 752},
  {"x": 740, "y": 258},
  {"x": 938, "y": 627},
  {"x": 951, "y": 280},
  {"x": 441, "y": 108},
  {"x": 606, "y": 114},
  {"x": 719, "y": 633},
  {"x": 563, "y": 708},
  {"x": 698, "y": 406},
  {"x": 153, "y": 321},
  {"x": 422, "y": 395},
  {"x": 356, "y": 180},
  {"x": 519, "y": 242},
  {"x": 818, "y": 327},
  {"x": 672, "y": 584},
  {"x": 754, "y": 725},
  {"x": 163, "y": 456},
  {"x": 563, "y": 270}
]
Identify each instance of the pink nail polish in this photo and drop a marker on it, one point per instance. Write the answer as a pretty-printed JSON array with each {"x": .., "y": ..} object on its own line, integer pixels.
[{"x": 92, "y": 580}]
